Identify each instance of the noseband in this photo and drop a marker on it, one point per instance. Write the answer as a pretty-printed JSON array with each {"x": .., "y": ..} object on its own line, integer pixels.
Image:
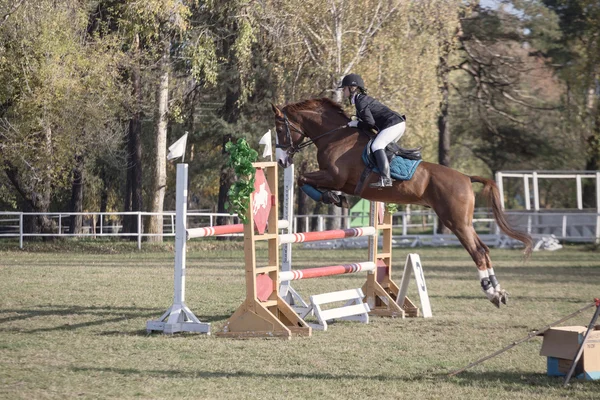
[{"x": 291, "y": 148}]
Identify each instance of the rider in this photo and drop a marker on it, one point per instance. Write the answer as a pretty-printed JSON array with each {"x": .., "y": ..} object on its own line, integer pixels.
[{"x": 372, "y": 114}]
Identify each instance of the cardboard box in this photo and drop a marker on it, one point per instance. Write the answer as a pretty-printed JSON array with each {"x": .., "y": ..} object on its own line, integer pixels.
[{"x": 560, "y": 346}]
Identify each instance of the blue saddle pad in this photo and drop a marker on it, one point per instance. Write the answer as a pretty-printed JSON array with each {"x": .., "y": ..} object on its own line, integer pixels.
[{"x": 401, "y": 169}]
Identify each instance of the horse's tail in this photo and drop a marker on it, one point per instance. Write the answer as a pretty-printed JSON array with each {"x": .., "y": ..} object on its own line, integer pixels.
[{"x": 491, "y": 192}]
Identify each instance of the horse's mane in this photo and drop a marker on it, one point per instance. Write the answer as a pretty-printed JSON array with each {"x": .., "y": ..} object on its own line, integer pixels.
[{"x": 322, "y": 104}]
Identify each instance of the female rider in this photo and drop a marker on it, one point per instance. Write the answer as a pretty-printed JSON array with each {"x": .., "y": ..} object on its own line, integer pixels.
[{"x": 372, "y": 114}]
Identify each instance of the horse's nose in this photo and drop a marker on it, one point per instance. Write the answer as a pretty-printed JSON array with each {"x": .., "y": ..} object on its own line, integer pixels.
[
  {"x": 284, "y": 163},
  {"x": 283, "y": 158}
]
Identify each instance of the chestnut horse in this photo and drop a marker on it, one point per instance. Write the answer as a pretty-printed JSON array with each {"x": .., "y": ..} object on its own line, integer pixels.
[{"x": 339, "y": 149}]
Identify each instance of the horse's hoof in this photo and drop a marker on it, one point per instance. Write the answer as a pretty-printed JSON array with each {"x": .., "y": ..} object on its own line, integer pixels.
[
  {"x": 504, "y": 297},
  {"x": 496, "y": 300}
]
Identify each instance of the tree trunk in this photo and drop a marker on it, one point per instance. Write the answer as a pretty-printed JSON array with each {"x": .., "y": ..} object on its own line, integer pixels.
[
  {"x": 133, "y": 192},
  {"x": 443, "y": 126},
  {"x": 155, "y": 222},
  {"x": 104, "y": 195},
  {"x": 76, "y": 221},
  {"x": 35, "y": 200},
  {"x": 593, "y": 147},
  {"x": 225, "y": 183},
  {"x": 334, "y": 211},
  {"x": 230, "y": 112}
]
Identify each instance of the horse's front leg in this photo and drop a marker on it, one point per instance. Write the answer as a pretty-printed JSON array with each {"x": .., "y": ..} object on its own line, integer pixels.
[
  {"x": 320, "y": 186},
  {"x": 321, "y": 179}
]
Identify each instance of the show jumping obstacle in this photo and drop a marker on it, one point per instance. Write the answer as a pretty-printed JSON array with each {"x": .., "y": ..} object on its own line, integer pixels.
[
  {"x": 265, "y": 313},
  {"x": 380, "y": 291},
  {"x": 179, "y": 318}
]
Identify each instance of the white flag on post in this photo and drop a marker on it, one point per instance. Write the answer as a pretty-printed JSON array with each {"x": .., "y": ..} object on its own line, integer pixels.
[
  {"x": 177, "y": 149},
  {"x": 266, "y": 141}
]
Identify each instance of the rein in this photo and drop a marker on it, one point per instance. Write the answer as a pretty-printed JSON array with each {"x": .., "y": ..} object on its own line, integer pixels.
[{"x": 291, "y": 148}]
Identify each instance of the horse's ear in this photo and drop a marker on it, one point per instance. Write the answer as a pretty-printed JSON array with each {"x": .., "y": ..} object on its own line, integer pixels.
[{"x": 276, "y": 111}]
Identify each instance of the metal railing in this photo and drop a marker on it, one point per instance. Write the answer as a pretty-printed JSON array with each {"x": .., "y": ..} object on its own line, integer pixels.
[
  {"x": 100, "y": 224},
  {"x": 421, "y": 225}
]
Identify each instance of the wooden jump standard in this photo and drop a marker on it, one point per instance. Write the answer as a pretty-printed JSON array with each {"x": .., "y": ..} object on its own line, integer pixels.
[{"x": 264, "y": 313}]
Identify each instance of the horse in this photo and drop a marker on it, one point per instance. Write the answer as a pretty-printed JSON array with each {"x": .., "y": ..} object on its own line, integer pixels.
[{"x": 339, "y": 150}]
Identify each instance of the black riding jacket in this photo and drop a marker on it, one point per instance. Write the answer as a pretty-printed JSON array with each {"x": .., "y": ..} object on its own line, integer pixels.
[{"x": 374, "y": 115}]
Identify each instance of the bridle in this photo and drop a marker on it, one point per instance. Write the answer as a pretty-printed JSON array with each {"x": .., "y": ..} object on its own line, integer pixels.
[{"x": 290, "y": 147}]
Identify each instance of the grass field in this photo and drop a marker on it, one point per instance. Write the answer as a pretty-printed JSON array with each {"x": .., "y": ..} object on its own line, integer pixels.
[{"x": 72, "y": 325}]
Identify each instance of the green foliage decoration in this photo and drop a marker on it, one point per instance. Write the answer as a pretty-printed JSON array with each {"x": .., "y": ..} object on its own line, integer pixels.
[
  {"x": 241, "y": 157},
  {"x": 392, "y": 208}
]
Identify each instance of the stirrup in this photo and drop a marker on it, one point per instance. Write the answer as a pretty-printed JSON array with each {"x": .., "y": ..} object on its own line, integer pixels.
[{"x": 381, "y": 183}]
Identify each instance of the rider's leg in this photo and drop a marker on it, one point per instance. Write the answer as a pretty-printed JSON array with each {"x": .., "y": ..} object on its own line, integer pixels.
[
  {"x": 386, "y": 136},
  {"x": 326, "y": 196}
]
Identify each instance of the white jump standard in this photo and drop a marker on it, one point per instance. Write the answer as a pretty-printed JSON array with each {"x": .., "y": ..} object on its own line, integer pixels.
[{"x": 179, "y": 318}]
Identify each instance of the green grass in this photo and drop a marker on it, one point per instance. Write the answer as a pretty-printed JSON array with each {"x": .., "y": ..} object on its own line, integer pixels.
[{"x": 73, "y": 314}]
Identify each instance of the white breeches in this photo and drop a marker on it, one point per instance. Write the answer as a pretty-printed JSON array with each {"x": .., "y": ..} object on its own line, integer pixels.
[{"x": 388, "y": 135}]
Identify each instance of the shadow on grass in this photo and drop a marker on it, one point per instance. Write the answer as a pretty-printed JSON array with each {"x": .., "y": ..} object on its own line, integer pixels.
[
  {"x": 483, "y": 379},
  {"x": 234, "y": 374},
  {"x": 515, "y": 299},
  {"x": 105, "y": 315},
  {"x": 487, "y": 378}
]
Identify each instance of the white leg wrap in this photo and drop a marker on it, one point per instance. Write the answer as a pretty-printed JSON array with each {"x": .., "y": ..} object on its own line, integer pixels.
[
  {"x": 494, "y": 281},
  {"x": 486, "y": 285}
]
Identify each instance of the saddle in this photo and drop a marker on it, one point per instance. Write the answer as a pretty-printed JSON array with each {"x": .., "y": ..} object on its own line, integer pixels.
[
  {"x": 392, "y": 150},
  {"x": 403, "y": 163}
]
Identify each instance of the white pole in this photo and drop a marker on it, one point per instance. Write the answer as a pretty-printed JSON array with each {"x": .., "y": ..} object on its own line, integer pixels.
[
  {"x": 139, "y": 229},
  {"x": 598, "y": 191},
  {"x": 180, "y": 232},
  {"x": 500, "y": 185},
  {"x": 579, "y": 193},
  {"x": 536, "y": 192},
  {"x": 527, "y": 192},
  {"x": 21, "y": 230},
  {"x": 598, "y": 207},
  {"x": 373, "y": 221},
  {"x": 287, "y": 214}
]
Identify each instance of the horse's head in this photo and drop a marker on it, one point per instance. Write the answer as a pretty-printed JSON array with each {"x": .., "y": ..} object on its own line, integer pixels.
[
  {"x": 288, "y": 137},
  {"x": 307, "y": 119}
]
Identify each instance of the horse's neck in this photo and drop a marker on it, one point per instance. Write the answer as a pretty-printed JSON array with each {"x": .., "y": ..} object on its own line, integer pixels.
[{"x": 342, "y": 141}]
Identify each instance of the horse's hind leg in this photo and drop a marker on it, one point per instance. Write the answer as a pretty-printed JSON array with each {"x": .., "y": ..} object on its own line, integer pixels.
[
  {"x": 479, "y": 252},
  {"x": 501, "y": 293}
]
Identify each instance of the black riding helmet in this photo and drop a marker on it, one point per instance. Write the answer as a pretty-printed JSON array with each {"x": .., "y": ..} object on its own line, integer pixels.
[{"x": 352, "y": 80}]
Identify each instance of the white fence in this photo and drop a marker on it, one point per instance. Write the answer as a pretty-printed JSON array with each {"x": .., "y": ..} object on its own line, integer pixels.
[
  {"x": 98, "y": 225},
  {"x": 415, "y": 228}
]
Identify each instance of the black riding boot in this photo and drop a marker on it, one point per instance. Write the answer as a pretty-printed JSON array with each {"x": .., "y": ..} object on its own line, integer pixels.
[{"x": 384, "y": 169}]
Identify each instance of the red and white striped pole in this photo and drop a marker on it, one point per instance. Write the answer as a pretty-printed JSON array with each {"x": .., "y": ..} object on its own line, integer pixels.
[{"x": 326, "y": 271}]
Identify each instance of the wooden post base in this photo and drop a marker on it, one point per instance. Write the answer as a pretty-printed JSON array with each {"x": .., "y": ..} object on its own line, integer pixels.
[
  {"x": 381, "y": 298},
  {"x": 255, "y": 319}
]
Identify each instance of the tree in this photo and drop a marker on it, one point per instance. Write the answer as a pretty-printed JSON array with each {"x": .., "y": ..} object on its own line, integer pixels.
[
  {"x": 157, "y": 23},
  {"x": 60, "y": 91},
  {"x": 575, "y": 56}
]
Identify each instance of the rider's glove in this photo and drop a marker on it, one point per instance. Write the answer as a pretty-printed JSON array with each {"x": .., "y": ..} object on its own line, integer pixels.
[{"x": 352, "y": 124}]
